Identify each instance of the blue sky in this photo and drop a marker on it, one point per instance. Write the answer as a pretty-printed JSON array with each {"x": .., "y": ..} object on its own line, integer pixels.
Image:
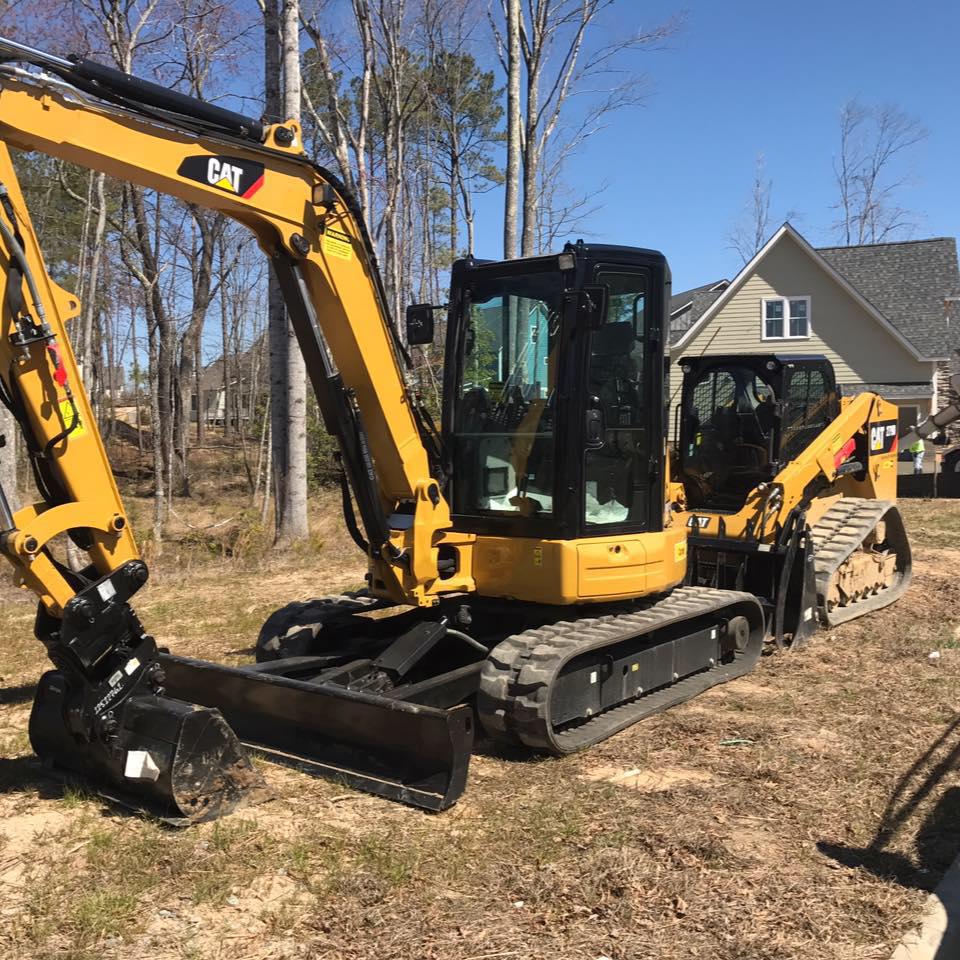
[{"x": 745, "y": 77}]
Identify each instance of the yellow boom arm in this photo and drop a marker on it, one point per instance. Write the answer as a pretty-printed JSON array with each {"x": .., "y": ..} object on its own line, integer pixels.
[{"x": 307, "y": 224}]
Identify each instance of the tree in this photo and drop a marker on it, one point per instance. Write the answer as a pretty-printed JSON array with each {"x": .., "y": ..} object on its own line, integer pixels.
[
  {"x": 288, "y": 383},
  {"x": 557, "y": 63},
  {"x": 9, "y": 430},
  {"x": 511, "y": 201},
  {"x": 464, "y": 101},
  {"x": 751, "y": 231},
  {"x": 870, "y": 172}
]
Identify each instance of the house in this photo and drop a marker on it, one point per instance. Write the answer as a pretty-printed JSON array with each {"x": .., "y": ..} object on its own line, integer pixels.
[
  {"x": 248, "y": 381},
  {"x": 879, "y": 312},
  {"x": 114, "y": 380}
]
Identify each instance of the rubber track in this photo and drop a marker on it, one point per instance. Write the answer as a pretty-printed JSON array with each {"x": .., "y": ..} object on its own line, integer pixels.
[
  {"x": 288, "y": 621},
  {"x": 517, "y": 677},
  {"x": 839, "y": 532}
]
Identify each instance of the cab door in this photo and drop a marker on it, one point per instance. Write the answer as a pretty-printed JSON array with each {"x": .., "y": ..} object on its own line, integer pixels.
[{"x": 623, "y": 408}]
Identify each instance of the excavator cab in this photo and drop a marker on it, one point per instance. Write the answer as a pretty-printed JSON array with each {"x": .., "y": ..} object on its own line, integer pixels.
[
  {"x": 553, "y": 411},
  {"x": 742, "y": 418}
]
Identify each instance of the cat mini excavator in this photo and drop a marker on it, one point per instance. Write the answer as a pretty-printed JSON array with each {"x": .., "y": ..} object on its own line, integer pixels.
[{"x": 525, "y": 561}]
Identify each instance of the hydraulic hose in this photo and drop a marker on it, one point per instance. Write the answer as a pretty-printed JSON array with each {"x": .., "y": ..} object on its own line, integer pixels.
[{"x": 16, "y": 250}]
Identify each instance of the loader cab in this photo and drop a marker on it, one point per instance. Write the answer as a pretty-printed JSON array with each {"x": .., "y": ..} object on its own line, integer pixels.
[
  {"x": 743, "y": 418},
  {"x": 553, "y": 393}
]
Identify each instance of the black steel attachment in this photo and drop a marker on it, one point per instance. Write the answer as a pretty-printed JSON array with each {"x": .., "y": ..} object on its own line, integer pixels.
[
  {"x": 404, "y": 751},
  {"x": 173, "y": 760},
  {"x": 104, "y": 714}
]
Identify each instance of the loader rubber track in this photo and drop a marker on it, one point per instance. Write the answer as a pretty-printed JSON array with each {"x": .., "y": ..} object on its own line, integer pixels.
[
  {"x": 517, "y": 681},
  {"x": 298, "y": 624},
  {"x": 838, "y": 534}
]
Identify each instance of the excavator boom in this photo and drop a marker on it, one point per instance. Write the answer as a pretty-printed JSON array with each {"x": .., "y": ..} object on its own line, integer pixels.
[{"x": 148, "y": 728}]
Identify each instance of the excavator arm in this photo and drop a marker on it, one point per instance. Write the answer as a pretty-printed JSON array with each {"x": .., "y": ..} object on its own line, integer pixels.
[
  {"x": 104, "y": 712},
  {"x": 311, "y": 230}
]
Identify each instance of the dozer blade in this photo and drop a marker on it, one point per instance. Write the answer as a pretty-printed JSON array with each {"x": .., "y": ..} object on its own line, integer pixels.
[
  {"x": 404, "y": 751},
  {"x": 174, "y": 760}
]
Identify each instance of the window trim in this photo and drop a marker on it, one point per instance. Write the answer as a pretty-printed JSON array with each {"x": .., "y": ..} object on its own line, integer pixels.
[{"x": 786, "y": 318}]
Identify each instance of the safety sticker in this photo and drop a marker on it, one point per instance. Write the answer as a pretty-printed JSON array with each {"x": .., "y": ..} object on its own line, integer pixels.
[
  {"x": 680, "y": 551},
  {"x": 337, "y": 244},
  {"x": 883, "y": 437},
  {"x": 538, "y": 556},
  {"x": 67, "y": 415}
]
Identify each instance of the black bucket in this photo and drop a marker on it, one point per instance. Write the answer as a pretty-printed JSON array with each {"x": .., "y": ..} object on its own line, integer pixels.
[{"x": 171, "y": 759}]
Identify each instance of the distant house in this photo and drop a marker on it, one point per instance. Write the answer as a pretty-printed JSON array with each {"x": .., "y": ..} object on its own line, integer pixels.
[
  {"x": 248, "y": 381},
  {"x": 879, "y": 312},
  {"x": 114, "y": 381}
]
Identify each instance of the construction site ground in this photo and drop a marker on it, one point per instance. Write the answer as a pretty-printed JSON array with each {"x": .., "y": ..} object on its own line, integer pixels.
[{"x": 800, "y": 813}]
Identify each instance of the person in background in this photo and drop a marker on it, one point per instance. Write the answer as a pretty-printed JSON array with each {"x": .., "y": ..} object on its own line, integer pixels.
[{"x": 917, "y": 450}]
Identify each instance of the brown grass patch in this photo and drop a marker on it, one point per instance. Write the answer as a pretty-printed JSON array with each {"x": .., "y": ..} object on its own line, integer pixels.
[{"x": 797, "y": 814}]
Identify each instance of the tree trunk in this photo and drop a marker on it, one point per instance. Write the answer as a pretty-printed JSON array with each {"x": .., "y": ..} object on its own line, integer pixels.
[
  {"x": 91, "y": 284},
  {"x": 225, "y": 355},
  {"x": 531, "y": 147},
  {"x": 8, "y": 457},
  {"x": 202, "y": 270},
  {"x": 288, "y": 382},
  {"x": 512, "y": 173}
]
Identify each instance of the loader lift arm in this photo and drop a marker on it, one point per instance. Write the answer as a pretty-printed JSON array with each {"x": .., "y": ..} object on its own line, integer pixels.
[{"x": 103, "y": 712}]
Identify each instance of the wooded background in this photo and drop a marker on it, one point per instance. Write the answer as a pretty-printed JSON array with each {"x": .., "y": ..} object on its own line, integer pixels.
[{"x": 420, "y": 107}]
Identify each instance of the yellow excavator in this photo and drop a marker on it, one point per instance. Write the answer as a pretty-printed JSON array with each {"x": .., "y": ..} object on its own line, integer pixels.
[{"x": 527, "y": 558}]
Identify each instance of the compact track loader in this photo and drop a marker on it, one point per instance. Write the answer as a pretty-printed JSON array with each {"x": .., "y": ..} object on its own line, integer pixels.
[
  {"x": 790, "y": 489},
  {"x": 528, "y": 559}
]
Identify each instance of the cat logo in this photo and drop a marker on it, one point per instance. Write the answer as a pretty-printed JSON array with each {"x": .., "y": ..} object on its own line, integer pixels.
[
  {"x": 243, "y": 178},
  {"x": 883, "y": 437},
  {"x": 700, "y": 523},
  {"x": 224, "y": 175}
]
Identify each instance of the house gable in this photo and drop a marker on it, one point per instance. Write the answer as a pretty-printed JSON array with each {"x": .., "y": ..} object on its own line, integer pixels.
[{"x": 860, "y": 343}]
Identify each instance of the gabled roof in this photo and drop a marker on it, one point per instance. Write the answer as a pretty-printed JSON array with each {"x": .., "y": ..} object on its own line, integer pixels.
[
  {"x": 916, "y": 350},
  {"x": 688, "y": 306},
  {"x": 907, "y": 282}
]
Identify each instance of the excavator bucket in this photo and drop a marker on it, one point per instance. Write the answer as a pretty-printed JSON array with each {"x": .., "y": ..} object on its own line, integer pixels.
[
  {"x": 177, "y": 761},
  {"x": 410, "y": 752}
]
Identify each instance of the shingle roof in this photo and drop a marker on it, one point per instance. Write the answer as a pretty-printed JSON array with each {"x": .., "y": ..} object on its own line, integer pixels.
[
  {"x": 697, "y": 300},
  {"x": 889, "y": 391},
  {"x": 908, "y": 283}
]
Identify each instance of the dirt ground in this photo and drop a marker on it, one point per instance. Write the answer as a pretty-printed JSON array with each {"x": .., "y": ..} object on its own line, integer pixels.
[{"x": 799, "y": 813}]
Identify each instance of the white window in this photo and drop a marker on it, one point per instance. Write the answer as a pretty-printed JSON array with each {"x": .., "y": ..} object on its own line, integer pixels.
[{"x": 786, "y": 318}]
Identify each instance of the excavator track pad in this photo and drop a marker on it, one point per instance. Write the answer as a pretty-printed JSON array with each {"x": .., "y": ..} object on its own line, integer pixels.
[{"x": 562, "y": 687}]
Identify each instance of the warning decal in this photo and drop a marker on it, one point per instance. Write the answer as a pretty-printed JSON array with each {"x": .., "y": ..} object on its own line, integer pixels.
[
  {"x": 67, "y": 415},
  {"x": 337, "y": 244}
]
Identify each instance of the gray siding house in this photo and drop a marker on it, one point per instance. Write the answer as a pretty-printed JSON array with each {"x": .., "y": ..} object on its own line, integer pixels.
[{"x": 879, "y": 312}]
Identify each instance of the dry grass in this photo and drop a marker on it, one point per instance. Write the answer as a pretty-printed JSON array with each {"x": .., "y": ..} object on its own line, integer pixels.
[{"x": 780, "y": 817}]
